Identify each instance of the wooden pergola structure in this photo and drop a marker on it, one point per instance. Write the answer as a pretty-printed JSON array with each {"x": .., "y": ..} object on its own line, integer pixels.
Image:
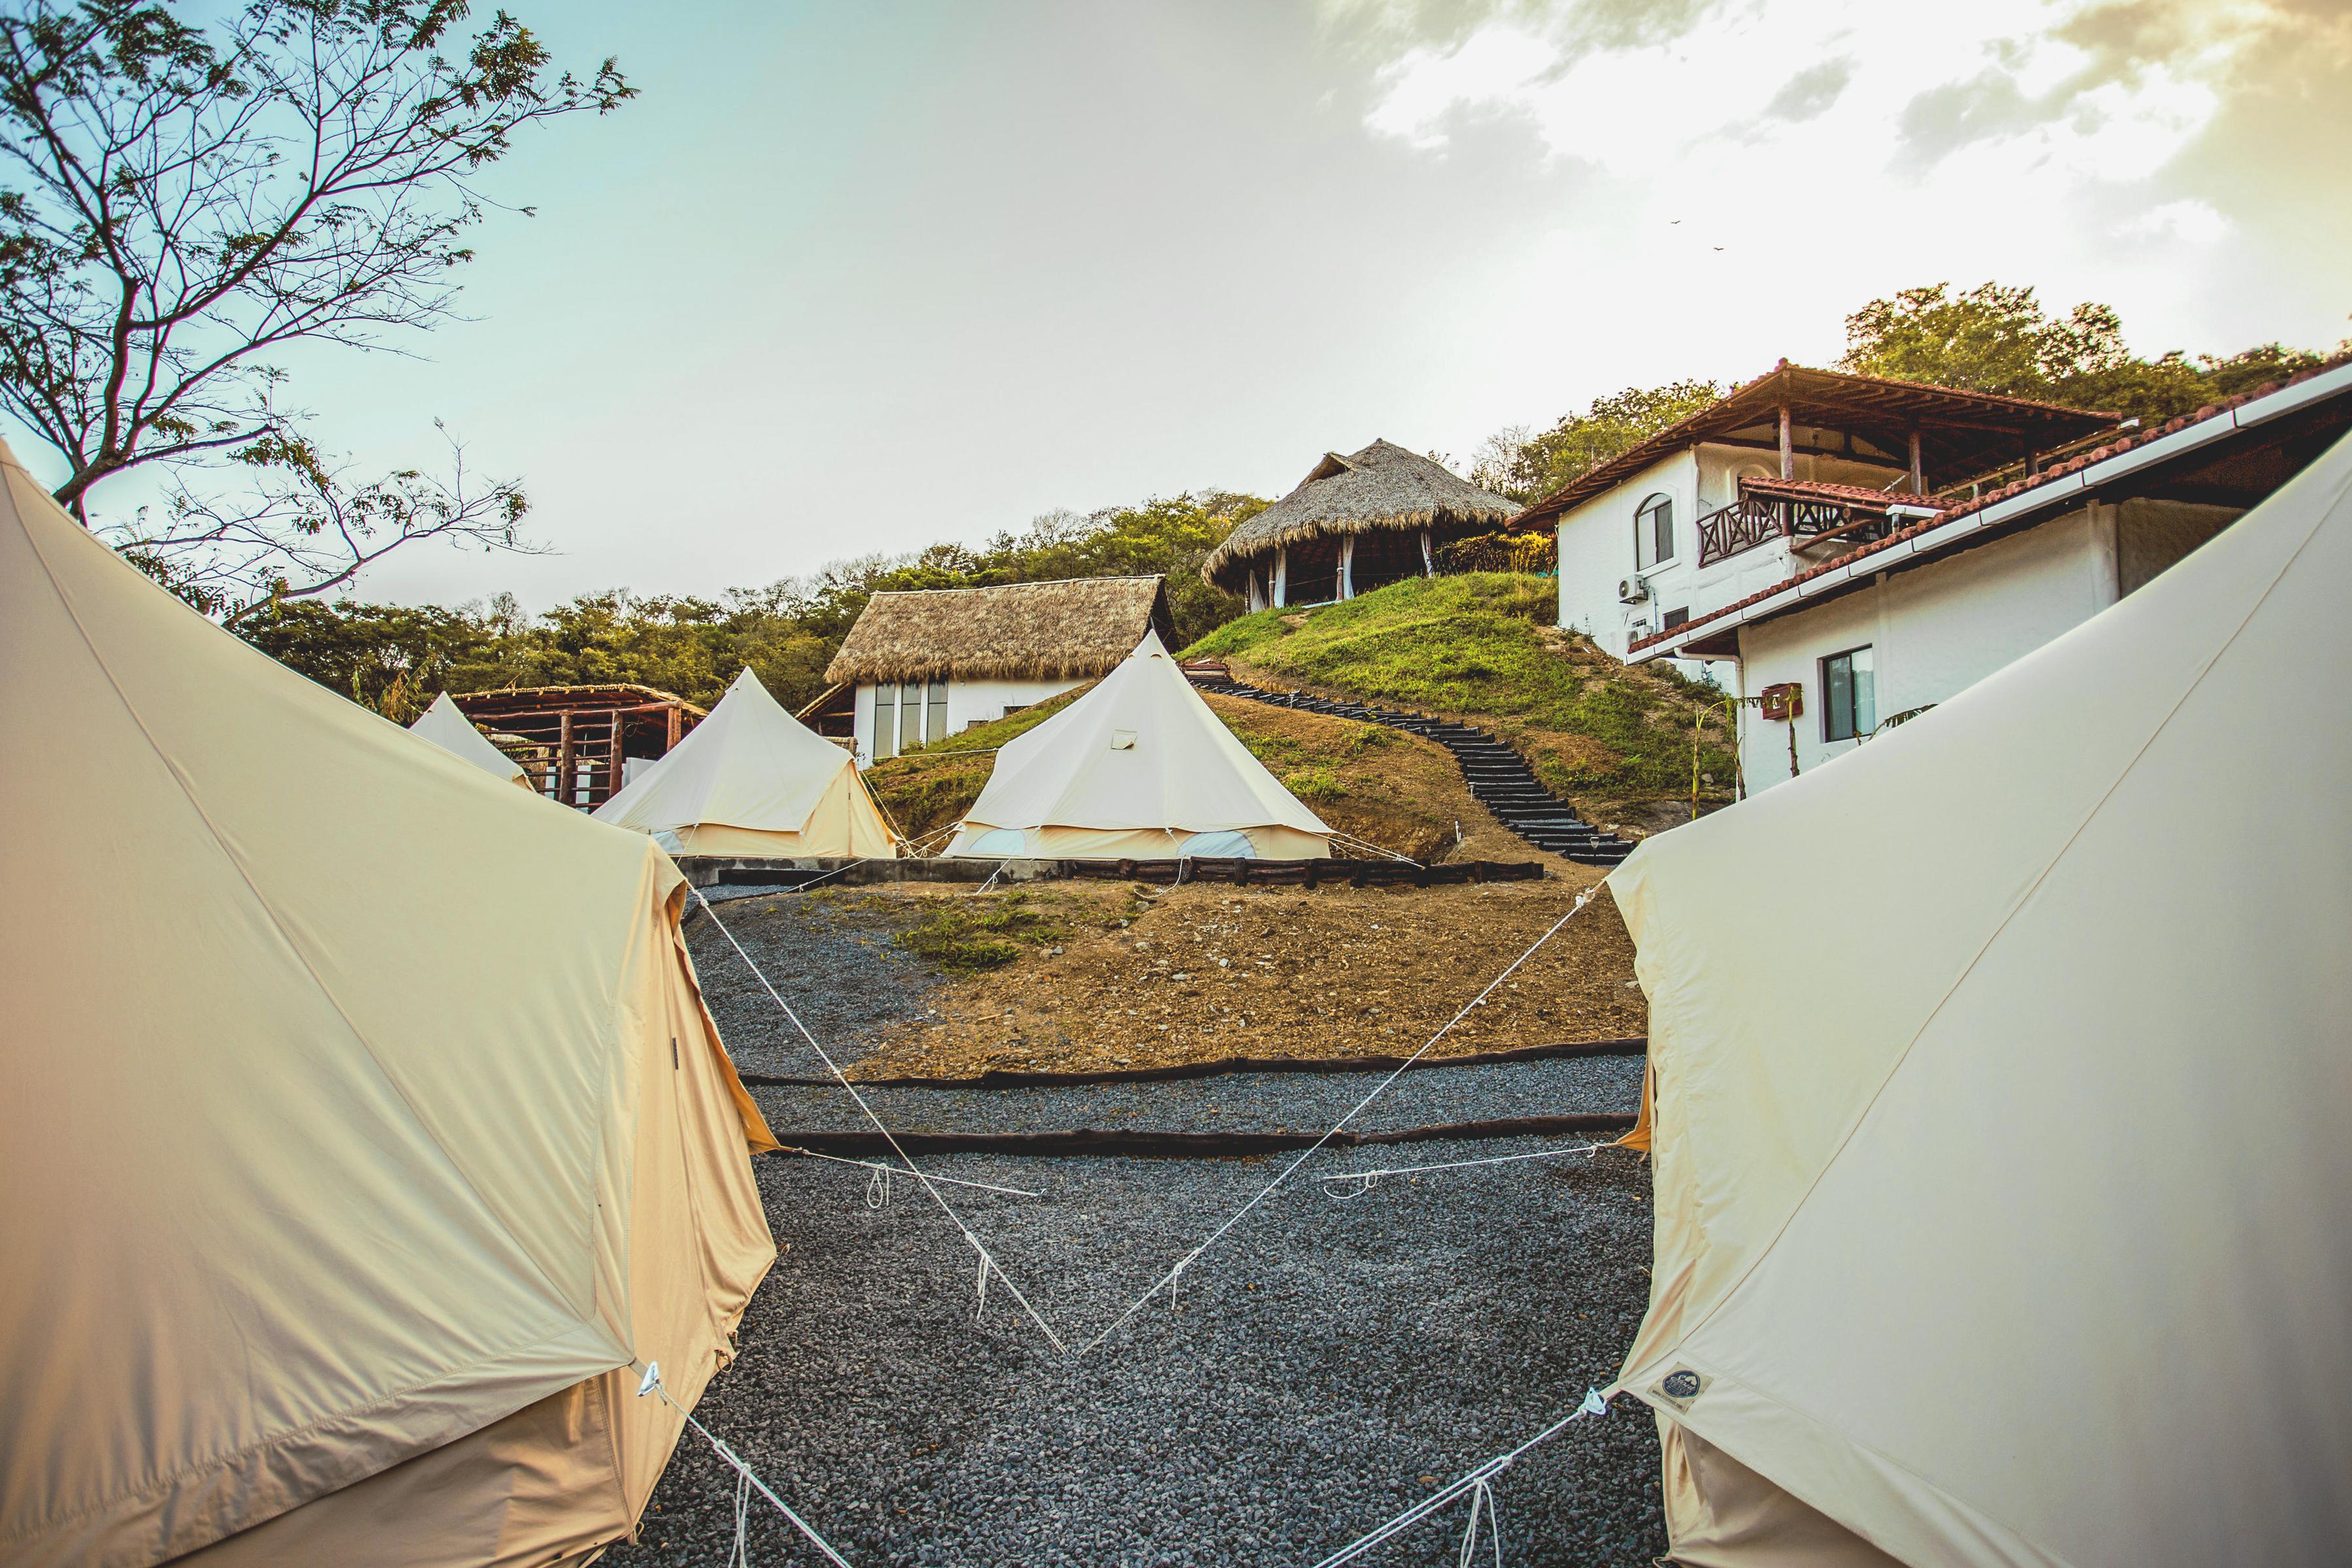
[{"x": 573, "y": 741}]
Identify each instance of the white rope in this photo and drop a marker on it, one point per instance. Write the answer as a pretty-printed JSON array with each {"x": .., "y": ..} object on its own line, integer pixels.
[
  {"x": 1352, "y": 842},
  {"x": 747, "y": 1477},
  {"x": 839, "y": 1076},
  {"x": 887, "y": 1170},
  {"x": 1368, "y": 1179},
  {"x": 1167, "y": 1281},
  {"x": 1478, "y": 1486}
]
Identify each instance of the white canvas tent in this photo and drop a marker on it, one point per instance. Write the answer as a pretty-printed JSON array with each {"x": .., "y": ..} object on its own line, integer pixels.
[
  {"x": 365, "y": 1120},
  {"x": 2000, "y": 1071},
  {"x": 1139, "y": 768},
  {"x": 751, "y": 779},
  {"x": 448, "y": 727}
]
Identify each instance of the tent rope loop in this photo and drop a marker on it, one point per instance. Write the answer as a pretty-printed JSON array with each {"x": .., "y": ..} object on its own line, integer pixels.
[{"x": 878, "y": 1188}]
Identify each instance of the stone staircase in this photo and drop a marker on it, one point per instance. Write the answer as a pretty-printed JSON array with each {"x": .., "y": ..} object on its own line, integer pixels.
[{"x": 1500, "y": 778}]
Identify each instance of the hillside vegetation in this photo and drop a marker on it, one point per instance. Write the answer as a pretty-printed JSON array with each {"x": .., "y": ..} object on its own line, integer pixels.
[
  {"x": 1615, "y": 740},
  {"x": 1392, "y": 789}
]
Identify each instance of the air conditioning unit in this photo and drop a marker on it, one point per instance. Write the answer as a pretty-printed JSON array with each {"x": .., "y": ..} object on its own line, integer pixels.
[{"x": 1632, "y": 591}]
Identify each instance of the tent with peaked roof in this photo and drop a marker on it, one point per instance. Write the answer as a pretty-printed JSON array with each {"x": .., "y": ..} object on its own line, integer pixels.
[
  {"x": 1139, "y": 768},
  {"x": 451, "y": 730},
  {"x": 354, "y": 1160},
  {"x": 751, "y": 779},
  {"x": 2000, "y": 1071}
]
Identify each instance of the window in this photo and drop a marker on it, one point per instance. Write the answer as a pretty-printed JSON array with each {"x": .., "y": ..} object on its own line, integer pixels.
[
  {"x": 1850, "y": 689},
  {"x": 1675, "y": 618},
  {"x": 935, "y": 712},
  {"x": 1653, "y": 533},
  {"x": 885, "y": 719},
  {"x": 910, "y": 714}
]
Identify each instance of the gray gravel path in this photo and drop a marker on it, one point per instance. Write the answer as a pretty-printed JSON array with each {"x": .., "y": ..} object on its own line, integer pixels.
[
  {"x": 1334, "y": 1362},
  {"x": 830, "y": 955},
  {"x": 1237, "y": 1102}
]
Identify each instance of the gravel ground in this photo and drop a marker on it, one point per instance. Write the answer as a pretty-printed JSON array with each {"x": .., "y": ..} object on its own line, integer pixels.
[
  {"x": 832, "y": 957},
  {"x": 1334, "y": 1362},
  {"x": 1236, "y": 1103}
]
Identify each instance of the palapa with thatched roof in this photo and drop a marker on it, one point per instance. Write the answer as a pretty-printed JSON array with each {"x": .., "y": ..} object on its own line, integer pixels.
[
  {"x": 926, "y": 663},
  {"x": 1353, "y": 524}
]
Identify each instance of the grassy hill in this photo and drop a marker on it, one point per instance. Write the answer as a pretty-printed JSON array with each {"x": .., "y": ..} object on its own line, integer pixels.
[
  {"x": 1396, "y": 790},
  {"x": 1615, "y": 740}
]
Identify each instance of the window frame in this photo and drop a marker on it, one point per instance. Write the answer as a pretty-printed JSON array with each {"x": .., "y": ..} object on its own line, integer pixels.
[
  {"x": 1645, "y": 538},
  {"x": 1829, "y": 714},
  {"x": 885, "y": 721}
]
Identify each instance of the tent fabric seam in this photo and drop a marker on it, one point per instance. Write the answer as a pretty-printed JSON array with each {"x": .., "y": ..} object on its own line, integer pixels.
[
  {"x": 261, "y": 900},
  {"x": 162, "y": 1483},
  {"x": 1846, "y": 1138}
]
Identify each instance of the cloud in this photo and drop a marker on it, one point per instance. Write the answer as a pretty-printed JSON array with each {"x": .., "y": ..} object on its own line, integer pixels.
[
  {"x": 2191, "y": 221},
  {"x": 1812, "y": 91}
]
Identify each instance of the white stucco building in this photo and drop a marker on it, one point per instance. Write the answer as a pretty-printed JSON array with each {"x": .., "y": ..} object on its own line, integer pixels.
[
  {"x": 920, "y": 665},
  {"x": 1912, "y": 604}
]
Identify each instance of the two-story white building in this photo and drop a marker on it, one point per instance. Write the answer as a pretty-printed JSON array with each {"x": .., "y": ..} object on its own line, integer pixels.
[
  {"x": 1786, "y": 470},
  {"x": 1835, "y": 629},
  {"x": 920, "y": 665}
]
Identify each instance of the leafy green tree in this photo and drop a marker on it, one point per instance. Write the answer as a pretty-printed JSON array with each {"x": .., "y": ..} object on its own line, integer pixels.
[
  {"x": 394, "y": 659},
  {"x": 1998, "y": 339},
  {"x": 1525, "y": 468}
]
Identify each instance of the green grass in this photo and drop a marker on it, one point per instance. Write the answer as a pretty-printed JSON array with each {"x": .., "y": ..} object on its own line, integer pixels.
[
  {"x": 1483, "y": 645},
  {"x": 968, "y": 936}
]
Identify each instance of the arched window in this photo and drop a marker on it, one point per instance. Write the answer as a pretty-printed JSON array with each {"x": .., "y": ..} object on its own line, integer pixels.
[{"x": 1654, "y": 532}]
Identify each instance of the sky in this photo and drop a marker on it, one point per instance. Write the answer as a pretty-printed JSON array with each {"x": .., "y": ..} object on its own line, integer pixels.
[{"x": 848, "y": 279}]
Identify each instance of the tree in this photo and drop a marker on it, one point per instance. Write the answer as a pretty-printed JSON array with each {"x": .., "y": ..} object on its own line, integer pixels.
[
  {"x": 182, "y": 207},
  {"x": 1998, "y": 339},
  {"x": 1525, "y": 467}
]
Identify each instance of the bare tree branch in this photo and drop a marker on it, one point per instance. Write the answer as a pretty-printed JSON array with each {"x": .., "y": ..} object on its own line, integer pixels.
[
  {"x": 178, "y": 204},
  {"x": 300, "y": 528}
]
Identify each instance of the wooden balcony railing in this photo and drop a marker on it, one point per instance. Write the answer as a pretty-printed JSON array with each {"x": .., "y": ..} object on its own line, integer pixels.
[{"x": 1753, "y": 520}]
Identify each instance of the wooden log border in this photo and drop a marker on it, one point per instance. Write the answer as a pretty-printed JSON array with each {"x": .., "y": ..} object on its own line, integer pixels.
[
  {"x": 1147, "y": 1144},
  {"x": 1635, "y": 1046}
]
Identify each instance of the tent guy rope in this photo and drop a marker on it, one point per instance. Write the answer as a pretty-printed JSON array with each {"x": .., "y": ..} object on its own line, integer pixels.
[
  {"x": 1478, "y": 1485},
  {"x": 987, "y": 1262},
  {"x": 1167, "y": 1281},
  {"x": 651, "y": 1382},
  {"x": 1367, "y": 1180}
]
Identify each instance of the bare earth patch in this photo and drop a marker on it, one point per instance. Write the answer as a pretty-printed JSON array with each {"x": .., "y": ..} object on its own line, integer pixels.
[{"x": 1126, "y": 976}]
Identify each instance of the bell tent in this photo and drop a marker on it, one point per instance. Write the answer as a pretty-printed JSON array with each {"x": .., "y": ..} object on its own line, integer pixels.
[
  {"x": 1139, "y": 768},
  {"x": 1999, "y": 1215},
  {"x": 752, "y": 780},
  {"x": 362, "y": 1149},
  {"x": 446, "y": 727}
]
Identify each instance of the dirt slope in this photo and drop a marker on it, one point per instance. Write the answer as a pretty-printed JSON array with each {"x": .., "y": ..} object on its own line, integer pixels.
[{"x": 1115, "y": 976}]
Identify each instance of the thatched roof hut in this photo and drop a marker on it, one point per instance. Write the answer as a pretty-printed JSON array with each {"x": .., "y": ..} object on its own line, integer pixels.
[
  {"x": 1071, "y": 630},
  {"x": 1353, "y": 523}
]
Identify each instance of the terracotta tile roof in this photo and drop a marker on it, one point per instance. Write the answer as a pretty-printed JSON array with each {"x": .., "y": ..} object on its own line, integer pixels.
[
  {"x": 1843, "y": 495},
  {"x": 2122, "y": 443}
]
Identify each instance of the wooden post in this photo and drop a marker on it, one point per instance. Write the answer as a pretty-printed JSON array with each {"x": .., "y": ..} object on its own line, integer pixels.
[
  {"x": 566, "y": 789},
  {"x": 1918, "y": 475},
  {"x": 1788, "y": 444},
  {"x": 1346, "y": 566},
  {"x": 677, "y": 717},
  {"x": 613, "y": 782},
  {"x": 1281, "y": 576},
  {"x": 1428, "y": 556}
]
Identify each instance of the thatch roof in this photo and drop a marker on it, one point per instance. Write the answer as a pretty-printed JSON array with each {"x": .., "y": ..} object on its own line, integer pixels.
[
  {"x": 1074, "y": 629},
  {"x": 1383, "y": 486}
]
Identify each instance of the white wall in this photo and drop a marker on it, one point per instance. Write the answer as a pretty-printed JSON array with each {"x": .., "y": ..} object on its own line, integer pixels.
[
  {"x": 970, "y": 702},
  {"x": 1933, "y": 631}
]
